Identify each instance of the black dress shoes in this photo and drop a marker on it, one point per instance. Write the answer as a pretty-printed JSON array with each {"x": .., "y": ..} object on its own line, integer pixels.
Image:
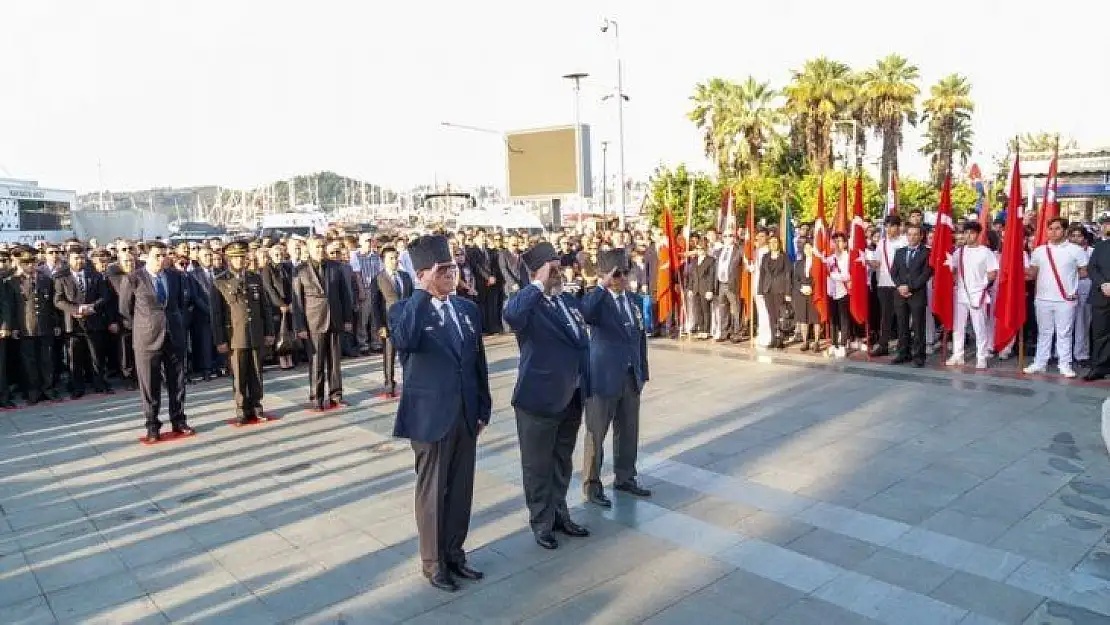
[
  {"x": 546, "y": 540},
  {"x": 570, "y": 528},
  {"x": 442, "y": 580},
  {"x": 597, "y": 497},
  {"x": 183, "y": 430},
  {"x": 632, "y": 488},
  {"x": 900, "y": 360},
  {"x": 151, "y": 438},
  {"x": 462, "y": 570},
  {"x": 1094, "y": 375}
]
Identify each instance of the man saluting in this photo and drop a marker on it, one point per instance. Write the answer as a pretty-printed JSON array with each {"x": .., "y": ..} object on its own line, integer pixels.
[
  {"x": 618, "y": 371},
  {"x": 445, "y": 405},
  {"x": 550, "y": 391}
]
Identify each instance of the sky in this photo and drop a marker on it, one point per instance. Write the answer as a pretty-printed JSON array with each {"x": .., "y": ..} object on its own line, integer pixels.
[{"x": 130, "y": 94}]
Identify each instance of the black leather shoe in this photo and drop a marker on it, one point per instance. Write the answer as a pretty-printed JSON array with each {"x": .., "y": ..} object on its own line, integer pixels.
[
  {"x": 919, "y": 363},
  {"x": 546, "y": 540},
  {"x": 151, "y": 438},
  {"x": 183, "y": 430},
  {"x": 442, "y": 580},
  {"x": 1094, "y": 375},
  {"x": 598, "y": 497},
  {"x": 900, "y": 360},
  {"x": 464, "y": 571},
  {"x": 570, "y": 528},
  {"x": 632, "y": 488}
]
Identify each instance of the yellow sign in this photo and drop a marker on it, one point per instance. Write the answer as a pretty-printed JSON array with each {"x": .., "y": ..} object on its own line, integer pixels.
[{"x": 548, "y": 162}]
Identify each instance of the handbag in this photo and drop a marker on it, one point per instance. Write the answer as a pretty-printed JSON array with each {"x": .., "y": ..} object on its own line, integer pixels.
[{"x": 286, "y": 342}]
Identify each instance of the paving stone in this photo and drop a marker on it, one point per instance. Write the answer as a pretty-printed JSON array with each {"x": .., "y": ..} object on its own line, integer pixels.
[
  {"x": 833, "y": 548},
  {"x": 909, "y": 572},
  {"x": 138, "y": 611},
  {"x": 33, "y": 611},
  {"x": 812, "y": 611},
  {"x": 987, "y": 598},
  {"x": 91, "y": 597},
  {"x": 754, "y": 597}
]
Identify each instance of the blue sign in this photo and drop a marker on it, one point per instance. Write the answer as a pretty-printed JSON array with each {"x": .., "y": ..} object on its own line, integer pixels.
[{"x": 1077, "y": 190}]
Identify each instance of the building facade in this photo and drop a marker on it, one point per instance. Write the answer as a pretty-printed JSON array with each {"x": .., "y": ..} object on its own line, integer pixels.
[{"x": 1084, "y": 181}]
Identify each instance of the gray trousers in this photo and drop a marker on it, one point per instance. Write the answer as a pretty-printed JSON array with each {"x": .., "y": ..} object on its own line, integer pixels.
[
  {"x": 362, "y": 326},
  {"x": 728, "y": 311},
  {"x": 444, "y": 492},
  {"x": 623, "y": 413},
  {"x": 547, "y": 461}
]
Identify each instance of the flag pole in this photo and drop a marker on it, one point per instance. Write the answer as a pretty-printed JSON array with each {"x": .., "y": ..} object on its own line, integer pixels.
[{"x": 751, "y": 285}]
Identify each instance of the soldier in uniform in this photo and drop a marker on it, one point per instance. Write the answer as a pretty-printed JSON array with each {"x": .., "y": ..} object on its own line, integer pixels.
[
  {"x": 37, "y": 324},
  {"x": 8, "y": 328},
  {"x": 242, "y": 323}
]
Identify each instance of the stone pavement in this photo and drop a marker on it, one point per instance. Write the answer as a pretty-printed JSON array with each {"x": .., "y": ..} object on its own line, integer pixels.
[{"x": 787, "y": 493}]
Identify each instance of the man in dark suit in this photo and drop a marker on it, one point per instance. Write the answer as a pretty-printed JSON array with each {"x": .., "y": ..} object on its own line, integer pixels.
[
  {"x": 618, "y": 371},
  {"x": 323, "y": 309},
  {"x": 1098, "y": 270},
  {"x": 513, "y": 271},
  {"x": 83, "y": 297},
  {"x": 551, "y": 382},
  {"x": 388, "y": 287},
  {"x": 444, "y": 406},
  {"x": 911, "y": 273},
  {"x": 480, "y": 261},
  {"x": 151, "y": 300}
]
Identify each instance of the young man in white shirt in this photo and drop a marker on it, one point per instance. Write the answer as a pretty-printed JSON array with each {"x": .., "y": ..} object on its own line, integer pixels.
[
  {"x": 1077, "y": 236},
  {"x": 881, "y": 260},
  {"x": 1056, "y": 267},
  {"x": 976, "y": 268}
]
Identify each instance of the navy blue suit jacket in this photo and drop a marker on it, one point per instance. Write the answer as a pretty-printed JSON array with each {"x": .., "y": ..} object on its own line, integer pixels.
[
  {"x": 437, "y": 374},
  {"x": 554, "y": 362},
  {"x": 616, "y": 344}
]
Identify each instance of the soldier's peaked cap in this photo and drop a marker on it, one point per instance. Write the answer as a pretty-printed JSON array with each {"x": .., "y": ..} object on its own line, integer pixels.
[
  {"x": 428, "y": 251},
  {"x": 236, "y": 249}
]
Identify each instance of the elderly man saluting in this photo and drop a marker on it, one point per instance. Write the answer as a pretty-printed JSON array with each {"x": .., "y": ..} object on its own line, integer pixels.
[
  {"x": 550, "y": 392},
  {"x": 444, "y": 407}
]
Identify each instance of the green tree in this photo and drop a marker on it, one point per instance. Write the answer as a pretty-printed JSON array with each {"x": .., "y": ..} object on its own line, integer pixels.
[
  {"x": 1045, "y": 142},
  {"x": 948, "y": 111},
  {"x": 711, "y": 114},
  {"x": 891, "y": 91},
  {"x": 917, "y": 194},
  {"x": 805, "y": 194},
  {"x": 671, "y": 188},
  {"x": 815, "y": 98},
  {"x": 963, "y": 200}
]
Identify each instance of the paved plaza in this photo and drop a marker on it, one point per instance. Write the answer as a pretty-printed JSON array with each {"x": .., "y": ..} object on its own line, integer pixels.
[{"x": 792, "y": 492}]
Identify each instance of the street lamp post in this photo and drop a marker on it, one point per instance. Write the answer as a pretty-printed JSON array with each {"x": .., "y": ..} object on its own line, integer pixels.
[
  {"x": 605, "y": 26},
  {"x": 604, "y": 181},
  {"x": 577, "y": 78},
  {"x": 488, "y": 131}
]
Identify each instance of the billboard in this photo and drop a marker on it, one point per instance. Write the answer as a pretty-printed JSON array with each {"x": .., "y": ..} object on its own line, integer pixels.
[{"x": 548, "y": 162}]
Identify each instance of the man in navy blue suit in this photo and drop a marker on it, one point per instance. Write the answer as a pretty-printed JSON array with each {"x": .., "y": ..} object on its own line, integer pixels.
[
  {"x": 444, "y": 406},
  {"x": 618, "y": 371},
  {"x": 551, "y": 381}
]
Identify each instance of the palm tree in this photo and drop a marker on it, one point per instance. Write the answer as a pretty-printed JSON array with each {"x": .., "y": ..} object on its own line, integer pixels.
[
  {"x": 753, "y": 122},
  {"x": 856, "y": 110},
  {"x": 890, "y": 91},
  {"x": 710, "y": 112},
  {"x": 1045, "y": 142},
  {"x": 948, "y": 110},
  {"x": 815, "y": 99}
]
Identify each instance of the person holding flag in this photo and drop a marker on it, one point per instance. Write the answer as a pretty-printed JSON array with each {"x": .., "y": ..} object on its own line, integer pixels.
[
  {"x": 1009, "y": 305},
  {"x": 859, "y": 284},
  {"x": 881, "y": 260},
  {"x": 1056, "y": 267},
  {"x": 940, "y": 259},
  {"x": 976, "y": 269}
]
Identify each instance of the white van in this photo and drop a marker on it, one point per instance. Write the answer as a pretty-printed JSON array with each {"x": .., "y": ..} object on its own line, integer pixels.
[{"x": 304, "y": 223}]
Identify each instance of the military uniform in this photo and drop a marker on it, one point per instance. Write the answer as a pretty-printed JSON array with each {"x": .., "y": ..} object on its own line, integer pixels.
[
  {"x": 36, "y": 318},
  {"x": 242, "y": 320}
]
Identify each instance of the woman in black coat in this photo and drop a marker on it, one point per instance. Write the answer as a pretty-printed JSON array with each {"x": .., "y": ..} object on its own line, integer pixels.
[
  {"x": 805, "y": 314},
  {"x": 774, "y": 285}
]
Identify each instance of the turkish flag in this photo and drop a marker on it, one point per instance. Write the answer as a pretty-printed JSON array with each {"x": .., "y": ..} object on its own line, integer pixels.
[
  {"x": 1049, "y": 208},
  {"x": 1009, "y": 307},
  {"x": 840, "y": 221},
  {"x": 940, "y": 259},
  {"x": 821, "y": 250},
  {"x": 858, "y": 283}
]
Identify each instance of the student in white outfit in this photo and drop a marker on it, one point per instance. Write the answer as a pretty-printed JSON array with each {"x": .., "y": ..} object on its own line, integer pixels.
[
  {"x": 1056, "y": 267},
  {"x": 1077, "y": 236},
  {"x": 763, "y": 331},
  {"x": 975, "y": 267}
]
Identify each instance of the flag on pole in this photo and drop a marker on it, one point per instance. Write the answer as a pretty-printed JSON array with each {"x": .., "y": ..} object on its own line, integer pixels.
[
  {"x": 892, "y": 194},
  {"x": 941, "y": 260},
  {"x": 786, "y": 231},
  {"x": 1049, "y": 208},
  {"x": 725, "y": 210},
  {"x": 749, "y": 256},
  {"x": 985, "y": 220},
  {"x": 1009, "y": 307},
  {"x": 821, "y": 251},
  {"x": 857, "y": 284},
  {"x": 668, "y": 265},
  {"x": 840, "y": 221}
]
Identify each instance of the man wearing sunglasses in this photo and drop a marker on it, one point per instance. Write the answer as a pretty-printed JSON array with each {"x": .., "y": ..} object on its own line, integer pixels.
[
  {"x": 618, "y": 371},
  {"x": 444, "y": 406}
]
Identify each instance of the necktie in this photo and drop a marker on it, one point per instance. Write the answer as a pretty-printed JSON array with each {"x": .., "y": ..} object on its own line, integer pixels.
[
  {"x": 81, "y": 282},
  {"x": 160, "y": 288},
  {"x": 456, "y": 334},
  {"x": 909, "y": 256},
  {"x": 397, "y": 285},
  {"x": 625, "y": 309}
]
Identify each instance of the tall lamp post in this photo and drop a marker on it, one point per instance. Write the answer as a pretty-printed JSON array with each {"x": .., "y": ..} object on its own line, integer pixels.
[
  {"x": 604, "y": 181},
  {"x": 488, "y": 131},
  {"x": 577, "y": 78},
  {"x": 606, "y": 25}
]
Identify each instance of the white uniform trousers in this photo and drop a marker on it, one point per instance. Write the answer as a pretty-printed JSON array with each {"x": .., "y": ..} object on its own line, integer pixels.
[
  {"x": 1082, "y": 323},
  {"x": 978, "y": 324},
  {"x": 764, "y": 334},
  {"x": 1058, "y": 318}
]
